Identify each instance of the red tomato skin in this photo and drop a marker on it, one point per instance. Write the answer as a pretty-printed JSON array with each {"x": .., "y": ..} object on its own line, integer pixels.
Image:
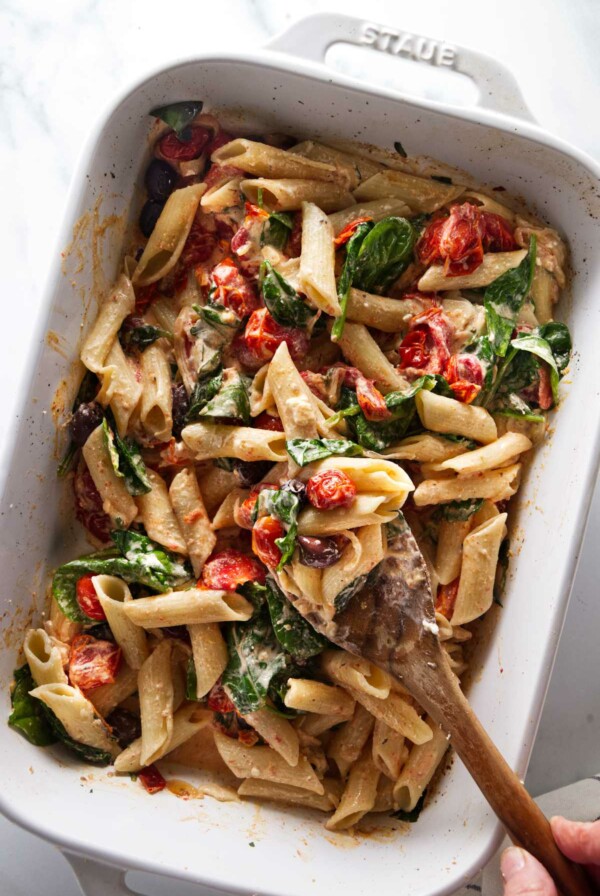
[
  {"x": 93, "y": 663},
  {"x": 151, "y": 779},
  {"x": 219, "y": 140},
  {"x": 425, "y": 346},
  {"x": 264, "y": 335},
  {"x": 88, "y": 505},
  {"x": 268, "y": 421},
  {"x": 446, "y": 598},
  {"x": 199, "y": 245},
  {"x": 232, "y": 290},
  {"x": 229, "y": 569},
  {"x": 330, "y": 489},
  {"x": 243, "y": 515},
  {"x": 171, "y": 147},
  {"x": 465, "y": 391},
  {"x": 217, "y": 699},
  {"x": 88, "y": 599},
  {"x": 264, "y": 532}
]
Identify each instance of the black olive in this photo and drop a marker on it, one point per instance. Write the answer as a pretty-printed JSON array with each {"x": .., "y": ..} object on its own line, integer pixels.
[
  {"x": 320, "y": 552},
  {"x": 84, "y": 421},
  {"x": 181, "y": 405},
  {"x": 160, "y": 180},
  {"x": 296, "y": 487},
  {"x": 102, "y": 632},
  {"x": 149, "y": 216},
  {"x": 126, "y": 727},
  {"x": 248, "y": 472}
]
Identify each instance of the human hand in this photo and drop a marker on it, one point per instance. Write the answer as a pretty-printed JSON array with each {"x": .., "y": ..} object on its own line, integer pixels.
[{"x": 525, "y": 876}]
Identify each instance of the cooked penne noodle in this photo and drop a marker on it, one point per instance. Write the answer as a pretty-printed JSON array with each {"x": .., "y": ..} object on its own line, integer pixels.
[
  {"x": 441, "y": 414},
  {"x": 155, "y": 687},
  {"x": 215, "y": 484},
  {"x": 77, "y": 715},
  {"x": 169, "y": 235},
  {"x": 190, "y": 607},
  {"x": 422, "y": 762},
  {"x": 357, "y": 673},
  {"x": 194, "y": 523},
  {"x": 387, "y": 315},
  {"x": 389, "y": 750},
  {"x": 317, "y": 260},
  {"x": 187, "y": 722},
  {"x": 398, "y": 713},
  {"x": 114, "y": 309},
  {"x": 116, "y": 500},
  {"x": 448, "y": 557},
  {"x": 285, "y": 195},
  {"x": 421, "y": 194},
  {"x": 375, "y": 210},
  {"x": 314, "y": 696},
  {"x": 478, "y": 571},
  {"x": 280, "y": 735},
  {"x": 293, "y": 399},
  {"x": 223, "y": 195},
  {"x": 361, "y": 350},
  {"x": 348, "y": 741},
  {"x": 425, "y": 448},
  {"x": 210, "y": 440},
  {"x": 158, "y": 516},
  {"x": 113, "y": 594},
  {"x": 266, "y": 764},
  {"x": 355, "y": 169},
  {"x": 359, "y": 795},
  {"x": 284, "y": 793},
  {"x": 156, "y": 403},
  {"x": 544, "y": 294},
  {"x": 121, "y": 386},
  {"x": 493, "y": 455},
  {"x": 495, "y": 485},
  {"x": 270, "y": 161},
  {"x": 494, "y": 264},
  {"x": 44, "y": 658},
  {"x": 108, "y": 696},
  {"x": 209, "y": 651}
]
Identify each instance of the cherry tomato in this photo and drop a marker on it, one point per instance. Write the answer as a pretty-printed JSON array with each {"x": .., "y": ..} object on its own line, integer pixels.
[
  {"x": 199, "y": 245},
  {"x": 230, "y": 568},
  {"x": 88, "y": 505},
  {"x": 172, "y": 147},
  {"x": 88, "y": 599},
  {"x": 232, "y": 290},
  {"x": 144, "y": 295},
  {"x": 243, "y": 515},
  {"x": 348, "y": 231},
  {"x": 151, "y": 779},
  {"x": 264, "y": 533},
  {"x": 371, "y": 401},
  {"x": 497, "y": 234},
  {"x": 264, "y": 335},
  {"x": 93, "y": 663},
  {"x": 460, "y": 239},
  {"x": 269, "y": 421},
  {"x": 465, "y": 391},
  {"x": 218, "y": 700},
  {"x": 425, "y": 346},
  {"x": 329, "y": 489},
  {"x": 446, "y": 598},
  {"x": 219, "y": 140}
]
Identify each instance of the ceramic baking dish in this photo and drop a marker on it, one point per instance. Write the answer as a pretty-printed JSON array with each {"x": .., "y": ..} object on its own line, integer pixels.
[{"x": 241, "y": 847}]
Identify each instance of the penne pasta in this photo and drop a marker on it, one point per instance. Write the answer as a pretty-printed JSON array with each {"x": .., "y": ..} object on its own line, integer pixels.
[
  {"x": 495, "y": 454},
  {"x": 314, "y": 696},
  {"x": 210, "y": 440},
  {"x": 194, "y": 523},
  {"x": 494, "y": 485},
  {"x": 44, "y": 658},
  {"x": 440, "y": 414},
  {"x": 113, "y": 594},
  {"x": 114, "y": 309},
  {"x": 317, "y": 260},
  {"x": 158, "y": 516},
  {"x": 209, "y": 651},
  {"x": 77, "y": 715},
  {"x": 422, "y": 762},
  {"x": 376, "y": 210},
  {"x": 270, "y": 161},
  {"x": 187, "y": 722},
  {"x": 421, "y": 194},
  {"x": 190, "y": 607},
  {"x": 359, "y": 794},
  {"x": 494, "y": 264},
  {"x": 156, "y": 402},
  {"x": 387, "y": 315},
  {"x": 361, "y": 350},
  {"x": 478, "y": 571},
  {"x": 285, "y": 195},
  {"x": 266, "y": 764},
  {"x": 116, "y": 500}
]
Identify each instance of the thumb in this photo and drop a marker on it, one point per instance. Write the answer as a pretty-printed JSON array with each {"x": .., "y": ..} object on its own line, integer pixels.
[{"x": 524, "y": 876}]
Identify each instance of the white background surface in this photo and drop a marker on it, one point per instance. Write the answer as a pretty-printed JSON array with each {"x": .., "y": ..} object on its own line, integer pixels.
[{"x": 61, "y": 64}]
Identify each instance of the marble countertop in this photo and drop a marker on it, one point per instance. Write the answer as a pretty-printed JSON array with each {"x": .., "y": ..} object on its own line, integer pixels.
[{"x": 62, "y": 63}]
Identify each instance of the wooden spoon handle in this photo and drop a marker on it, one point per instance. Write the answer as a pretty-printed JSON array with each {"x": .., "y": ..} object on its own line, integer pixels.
[{"x": 438, "y": 692}]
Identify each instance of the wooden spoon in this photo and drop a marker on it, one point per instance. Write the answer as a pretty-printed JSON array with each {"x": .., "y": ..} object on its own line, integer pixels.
[{"x": 391, "y": 623}]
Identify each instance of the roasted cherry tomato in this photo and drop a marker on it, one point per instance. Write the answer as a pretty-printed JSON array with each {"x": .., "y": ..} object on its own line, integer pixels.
[
  {"x": 151, "y": 779},
  {"x": 93, "y": 663},
  {"x": 199, "y": 245},
  {"x": 88, "y": 505},
  {"x": 217, "y": 699},
  {"x": 425, "y": 346},
  {"x": 219, "y": 140},
  {"x": 264, "y": 335},
  {"x": 243, "y": 515},
  {"x": 268, "y": 421},
  {"x": 230, "y": 568},
  {"x": 465, "y": 376},
  {"x": 329, "y": 489},
  {"x": 172, "y": 147},
  {"x": 264, "y": 534},
  {"x": 88, "y": 599},
  {"x": 446, "y": 598},
  {"x": 144, "y": 296},
  {"x": 232, "y": 290}
]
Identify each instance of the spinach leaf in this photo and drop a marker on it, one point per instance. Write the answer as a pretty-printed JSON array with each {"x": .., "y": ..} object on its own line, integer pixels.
[
  {"x": 413, "y": 815},
  {"x": 216, "y": 316},
  {"x": 552, "y": 343},
  {"x": 276, "y": 230},
  {"x": 558, "y": 338},
  {"x": 205, "y": 389},
  {"x": 348, "y": 274},
  {"x": 503, "y": 299},
  {"x": 460, "y": 511},
  {"x": 278, "y": 688},
  {"x": 285, "y": 505},
  {"x": 536, "y": 345},
  {"x": 281, "y": 299},
  {"x": 88, "y": 389},
  {"x": 255, "y": 657},
  {"x": 385, "y": 253},
  {"x": 483, "y": 350},
  {"x": 400, "y": 149},
  {"x": 231, "y": 402},
  {"x": 126, "y": 461},
  {"x": 178, "y": 115},
  {"x": 27, "y": 716},
  {"x": 306, "y": 451},
  {"x": 377, "y": 436},
  {"x": 141, "y": 337},
  {"x": 89, "y": 754},
  {"x": 510, "y": 404},
  {"x": 294, "y": 633},
  {"x": 135, "y": 559},
  {"x": 191, "y": 681},
  {"x": 255, "y": 593}
]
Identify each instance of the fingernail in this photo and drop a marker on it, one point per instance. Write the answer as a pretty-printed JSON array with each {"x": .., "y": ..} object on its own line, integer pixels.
[{"x": 513, "y": 860}]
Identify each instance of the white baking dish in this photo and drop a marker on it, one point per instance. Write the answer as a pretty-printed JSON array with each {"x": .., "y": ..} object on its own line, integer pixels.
[{"x": 238, "y": 846}]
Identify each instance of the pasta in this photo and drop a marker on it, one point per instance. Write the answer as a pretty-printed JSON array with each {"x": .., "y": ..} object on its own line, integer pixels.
[{"x": 315, "y": 347}]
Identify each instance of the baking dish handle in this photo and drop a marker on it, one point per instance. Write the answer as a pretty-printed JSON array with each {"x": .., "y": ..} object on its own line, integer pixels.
[
  {"x": 311, "y": 37},
  {"x": 97, "y": 879}
]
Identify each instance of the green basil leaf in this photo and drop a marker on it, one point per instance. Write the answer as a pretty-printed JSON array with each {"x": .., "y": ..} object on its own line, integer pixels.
[
  {"x": 27, "y": 716},
  {"x": 282, "y": 300},
  {"x": 135, "y": 558},
  {"x": 205, "y": 389},
  {"x": 132, "y": 466},
  {"x": 191, "y": 681},
  {"x": 504, "y": 297},
  {"x": 141, "y": 337},
  {"x": 558, "y": 338},
  {"x": 255, "y": 657},
  {"x": 109, "y": 442},
  {"x": 400, "y": 149},
  {"x": 276, "y": 230},
  {"x": 231, "y": 402},
  {"x": 346, "y": 278},
  {"x": 216, "y": 316},
  {"x": 385, "y": 253},
  {"x": 460, "y": 511},
  {"x": 178, "y": 115},
  {"x": 536, "y": 345},
  {"x": 376, "y": 436},
  {"x": 293, "y": 632},
  {"x": 306, "y": 451}
]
